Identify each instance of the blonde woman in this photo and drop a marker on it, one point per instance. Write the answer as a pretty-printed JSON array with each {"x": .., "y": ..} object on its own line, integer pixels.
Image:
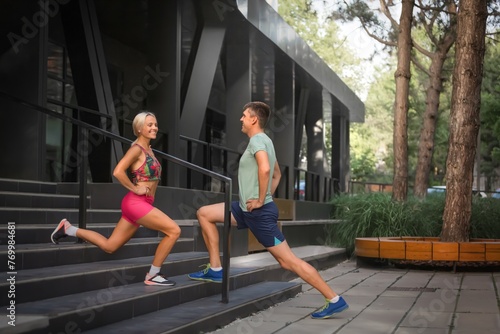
[{"x": 137, "y": 205}]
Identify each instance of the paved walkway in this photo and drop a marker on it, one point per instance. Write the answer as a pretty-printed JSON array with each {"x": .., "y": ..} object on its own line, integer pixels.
[{"x": 387, "y": 301}]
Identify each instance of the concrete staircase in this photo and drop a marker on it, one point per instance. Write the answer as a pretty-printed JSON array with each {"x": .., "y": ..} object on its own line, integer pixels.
[{"x": 75, "y": 287}]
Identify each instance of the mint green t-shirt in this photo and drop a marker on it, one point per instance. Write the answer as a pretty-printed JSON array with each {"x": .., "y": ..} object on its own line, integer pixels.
[{"x": 248, "y": 174}]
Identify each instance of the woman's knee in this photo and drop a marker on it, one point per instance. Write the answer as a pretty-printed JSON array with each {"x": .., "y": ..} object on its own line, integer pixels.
[
  {"x": 175, "y": 232},
  {"x": 110, "y": 249},
  {"x": 171, "y": 230}
]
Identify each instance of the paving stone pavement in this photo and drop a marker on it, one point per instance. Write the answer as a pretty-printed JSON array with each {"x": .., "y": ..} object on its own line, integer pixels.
[{"x": 387, "y": 301}]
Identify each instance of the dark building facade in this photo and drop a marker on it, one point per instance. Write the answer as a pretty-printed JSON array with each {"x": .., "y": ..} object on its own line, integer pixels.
[{"x": 193, "y": 63}]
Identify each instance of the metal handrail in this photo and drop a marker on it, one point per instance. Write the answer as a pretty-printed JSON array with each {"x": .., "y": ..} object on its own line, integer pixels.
[
  {"x": 86, "y": 127},
  {"x": 77, "y": 108},
  {"x": 207, "y": 149}
]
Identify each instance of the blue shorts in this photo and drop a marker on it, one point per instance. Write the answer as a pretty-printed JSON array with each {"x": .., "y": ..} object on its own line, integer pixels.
[{"x": 263, "y": 222}]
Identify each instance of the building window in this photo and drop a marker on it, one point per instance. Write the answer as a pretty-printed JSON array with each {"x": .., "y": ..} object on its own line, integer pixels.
[{"x": 60, "y": 95}]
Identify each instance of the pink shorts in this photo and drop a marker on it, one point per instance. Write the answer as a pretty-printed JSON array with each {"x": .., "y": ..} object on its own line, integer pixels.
[{"x": 134, "y": 207}]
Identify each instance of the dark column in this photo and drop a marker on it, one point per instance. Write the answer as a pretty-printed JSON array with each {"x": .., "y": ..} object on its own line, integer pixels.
[
  {"x": 282, "y": 124},
  {"x": 340, "y": 144},
  {"x": 92, "y": 86},
  {"x": 301, "y": 111},
  {"x": 22, "y": 131},
  {"x": 203, "y": 71},
  {"x": 315, "y": 142},
  {"x": 164, "y": 58},
  {"x": 238, "y": 93}
]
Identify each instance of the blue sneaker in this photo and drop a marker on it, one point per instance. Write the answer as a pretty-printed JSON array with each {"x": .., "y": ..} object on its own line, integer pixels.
[
  {"x": 207, "y": 275},
  {"x": 330, "y": 309}
]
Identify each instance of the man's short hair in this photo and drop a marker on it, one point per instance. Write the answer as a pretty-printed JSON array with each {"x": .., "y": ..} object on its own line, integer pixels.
[{"x": 261, "y": 110}]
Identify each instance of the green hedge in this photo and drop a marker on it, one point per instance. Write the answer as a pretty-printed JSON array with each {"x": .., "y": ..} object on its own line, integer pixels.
[{"x": 376, "y": 215}]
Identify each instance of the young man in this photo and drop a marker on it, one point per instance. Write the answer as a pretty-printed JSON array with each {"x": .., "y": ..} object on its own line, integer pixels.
[{"x": 258, "y": 178}]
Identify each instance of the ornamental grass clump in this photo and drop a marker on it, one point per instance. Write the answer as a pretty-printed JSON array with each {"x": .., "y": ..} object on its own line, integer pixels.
[
  {"x": 484, "y": 219},
  {"x": 377, "y": 215}
]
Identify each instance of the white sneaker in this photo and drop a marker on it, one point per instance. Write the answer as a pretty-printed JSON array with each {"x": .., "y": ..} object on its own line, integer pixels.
[
  {"x": 59, "y": 232},
  {"x": 158, "y": 279}
]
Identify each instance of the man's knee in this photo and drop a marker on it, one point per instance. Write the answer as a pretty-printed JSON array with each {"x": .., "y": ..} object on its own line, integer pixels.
[
  {"x": 201, "y": 213},
  {"x": 286, "y": 266},
  {"x": 292, "y": 263}
]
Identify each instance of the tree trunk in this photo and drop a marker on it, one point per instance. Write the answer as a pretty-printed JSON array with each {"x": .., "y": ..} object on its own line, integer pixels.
[
  {"x": 464, "y": 122},
  {"x": 426, "y": 142},
  {"x": 402, "y": 77}
]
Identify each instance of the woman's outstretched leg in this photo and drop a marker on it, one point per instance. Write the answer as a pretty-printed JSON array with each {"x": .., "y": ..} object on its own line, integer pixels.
[{"x": 121, "y": 234}]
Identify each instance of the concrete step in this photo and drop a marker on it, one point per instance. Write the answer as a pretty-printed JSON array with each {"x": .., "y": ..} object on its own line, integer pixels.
[
  {"x": 120, "y": 300},
  {"x": 48, "y": 282},
  {"x": 32, "y": 256},
  {"x": 40, "y": 233},
  {"x": 27, "y": 186},
  {"x": 51, "y": 215},
  {"x": 207, "y": 314},
  {"x": 38, "y": 200}
]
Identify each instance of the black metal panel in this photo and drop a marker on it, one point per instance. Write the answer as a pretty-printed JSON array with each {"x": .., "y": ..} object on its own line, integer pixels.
[
  {"x": 340, "y": 144},
  {"x": 85, "y": 68},
  {"x": 21, "y": 129},
  {"x": 204, "y": 66},
  {"x": 282, "y": 124}
]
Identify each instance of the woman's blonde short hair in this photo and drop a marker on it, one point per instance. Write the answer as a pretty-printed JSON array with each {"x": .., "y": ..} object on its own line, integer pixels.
[{"x": 139, "y": 120}]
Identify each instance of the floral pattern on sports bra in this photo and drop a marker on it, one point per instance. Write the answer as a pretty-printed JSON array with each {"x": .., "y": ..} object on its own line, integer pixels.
[{"x": 150, "y": 170}]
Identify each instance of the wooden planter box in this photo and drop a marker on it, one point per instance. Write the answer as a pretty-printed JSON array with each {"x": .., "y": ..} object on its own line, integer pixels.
[
  {"x": 428, "y": 249},
  {"x": 367, "y": 247},
  {"x": 418, "y": 250}
]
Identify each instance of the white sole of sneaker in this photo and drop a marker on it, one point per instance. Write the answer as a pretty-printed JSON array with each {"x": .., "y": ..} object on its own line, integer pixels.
[
  {"x": 204, "y": 280},
  {"x": 57, "y": 229}
]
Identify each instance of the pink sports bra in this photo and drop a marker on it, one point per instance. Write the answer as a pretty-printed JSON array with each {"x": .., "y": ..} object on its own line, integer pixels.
[{"x": 150, "y": 170}]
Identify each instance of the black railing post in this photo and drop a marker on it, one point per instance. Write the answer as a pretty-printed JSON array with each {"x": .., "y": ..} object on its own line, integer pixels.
[
  {"x": 82, "y": 165},
  {"x": 207, "y": 163},
  {"x": 225, "y": 239},
  {"x": 189, "y": 159}
]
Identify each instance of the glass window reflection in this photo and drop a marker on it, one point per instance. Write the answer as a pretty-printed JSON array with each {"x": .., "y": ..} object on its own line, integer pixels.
[{"x": 55, "y": 60}]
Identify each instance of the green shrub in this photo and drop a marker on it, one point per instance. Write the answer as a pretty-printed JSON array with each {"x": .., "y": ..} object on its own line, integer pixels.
[
  {"x": 484, "y": 218},
  {"x": 376, "y": 215}
]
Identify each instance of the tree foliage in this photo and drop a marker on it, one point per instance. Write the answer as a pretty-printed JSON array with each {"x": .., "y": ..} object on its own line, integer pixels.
[{"x": 322, "y": 34}]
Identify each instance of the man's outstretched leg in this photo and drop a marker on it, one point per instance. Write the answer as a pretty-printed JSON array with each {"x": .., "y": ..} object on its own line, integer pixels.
[{"x": 289, "y": 261}]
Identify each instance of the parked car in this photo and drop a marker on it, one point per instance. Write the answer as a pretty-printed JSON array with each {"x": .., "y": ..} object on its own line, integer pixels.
[
  {"x": 442, "y": 189},
  {"x": 301, "y": 191},
  {"x": 436, "y": 189}
]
